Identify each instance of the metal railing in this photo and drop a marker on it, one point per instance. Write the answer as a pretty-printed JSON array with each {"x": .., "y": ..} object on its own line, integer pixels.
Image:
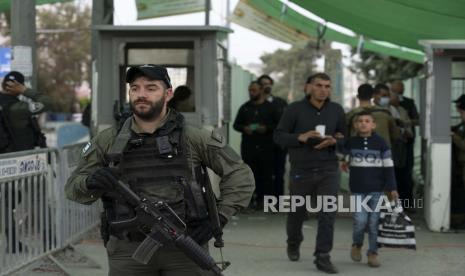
[
  {"x": 36, "y": 219},
  {"x": 77, "y": 219}
]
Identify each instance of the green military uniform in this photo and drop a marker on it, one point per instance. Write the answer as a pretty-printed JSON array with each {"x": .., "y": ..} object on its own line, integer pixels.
[
  {"x": 385, "y": 123},
  {"x": 458, "y": 141},
  {"x": 202, "y": 148}
]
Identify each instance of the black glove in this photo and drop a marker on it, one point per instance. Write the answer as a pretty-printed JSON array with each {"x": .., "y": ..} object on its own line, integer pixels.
[{"x": 103, "y": 179}]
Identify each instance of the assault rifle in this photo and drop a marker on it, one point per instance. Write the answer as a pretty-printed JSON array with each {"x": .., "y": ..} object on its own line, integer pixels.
[{"x": 159, "y": 229}]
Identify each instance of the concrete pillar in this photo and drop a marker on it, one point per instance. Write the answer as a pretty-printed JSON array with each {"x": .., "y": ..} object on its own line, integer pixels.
[
  {"x": 102, "y": 14},
  {"x": 436, "y": 122},
  {"x": 23, "y": 39}
]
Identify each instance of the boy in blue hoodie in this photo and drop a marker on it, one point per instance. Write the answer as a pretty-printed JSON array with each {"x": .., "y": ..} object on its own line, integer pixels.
[{"x": 371, "y": 174}]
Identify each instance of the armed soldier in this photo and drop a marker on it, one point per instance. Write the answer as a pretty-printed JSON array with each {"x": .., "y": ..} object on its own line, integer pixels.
[
  {"x": 160, "y": 157},
  {"x": 19, "y": 108}
]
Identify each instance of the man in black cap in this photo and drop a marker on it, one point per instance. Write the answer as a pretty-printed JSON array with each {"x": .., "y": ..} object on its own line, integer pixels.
[
  {"x": 159, "y": 157},
  {"x": 19, "y": 109}
]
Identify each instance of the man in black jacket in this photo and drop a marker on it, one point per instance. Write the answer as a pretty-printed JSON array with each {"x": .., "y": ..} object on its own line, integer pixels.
[
  {"x": 279, "y": 153},
  {"x": 256, "y": 120},
  {"x": 314, "y": 165}
]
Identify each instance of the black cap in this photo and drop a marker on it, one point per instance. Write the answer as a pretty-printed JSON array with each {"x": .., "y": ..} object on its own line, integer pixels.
[
  {"x": 152, "y": 71},
  {"x": 14, "y": 76},
  {"x": 460, "y": 101}
]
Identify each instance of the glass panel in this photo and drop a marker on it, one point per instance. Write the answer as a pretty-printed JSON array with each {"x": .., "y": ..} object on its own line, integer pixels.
[
  {"x": 457, "y": 88},
  {"x": 173, "y": 57}
]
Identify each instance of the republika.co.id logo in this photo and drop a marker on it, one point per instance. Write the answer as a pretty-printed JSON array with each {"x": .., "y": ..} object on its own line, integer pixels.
[{"x": 327, "y": 203}]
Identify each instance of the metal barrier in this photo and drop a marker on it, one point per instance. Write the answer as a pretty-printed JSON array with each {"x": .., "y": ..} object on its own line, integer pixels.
[
  {"x": 77, "y": 219},
  {"x": 36, "y": 219}
]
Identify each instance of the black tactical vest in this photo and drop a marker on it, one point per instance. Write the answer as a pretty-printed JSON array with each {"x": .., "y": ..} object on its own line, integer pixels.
[{"x": 156, "y": 166}]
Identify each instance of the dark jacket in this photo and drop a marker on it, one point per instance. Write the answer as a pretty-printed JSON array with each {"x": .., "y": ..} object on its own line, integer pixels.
[
  {"x": 300, "y": 117},
  {"x": 263, "y": 114}
]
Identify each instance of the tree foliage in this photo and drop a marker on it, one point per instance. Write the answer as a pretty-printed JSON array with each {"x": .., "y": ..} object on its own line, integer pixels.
[
  {"x": 376, "y": 68},
  {"x": 63, "y": 48},
  {"x": 290, "y": 69}
]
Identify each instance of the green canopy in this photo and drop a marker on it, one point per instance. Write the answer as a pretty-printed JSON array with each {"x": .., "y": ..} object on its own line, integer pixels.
[
  {"x": 401, "y": 22},
  {"x": 5, "y": 4},
  {"x": 295, "y": 20}
]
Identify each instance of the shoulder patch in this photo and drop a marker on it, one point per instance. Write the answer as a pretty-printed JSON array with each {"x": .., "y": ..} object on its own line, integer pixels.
[
  {"x": 36, "y": 107},
  {"x": 217, "y": 137},
  {"x": 86, "y": 148}
]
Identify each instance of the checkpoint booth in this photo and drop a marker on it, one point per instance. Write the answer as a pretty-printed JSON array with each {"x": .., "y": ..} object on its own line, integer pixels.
[
  {"x": 445, "y": 81},
  {"x": 195, "y": 56}
]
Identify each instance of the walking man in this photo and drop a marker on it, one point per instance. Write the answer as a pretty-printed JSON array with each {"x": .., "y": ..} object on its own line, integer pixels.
[{"x": 310, "y": 129}]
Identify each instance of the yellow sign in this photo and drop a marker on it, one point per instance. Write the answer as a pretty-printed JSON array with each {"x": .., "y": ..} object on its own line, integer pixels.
[
  {"x": 159, "y": 8},
  {"x": 250, "y": 18}
]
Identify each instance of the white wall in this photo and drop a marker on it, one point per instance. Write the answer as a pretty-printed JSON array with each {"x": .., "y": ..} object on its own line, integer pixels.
[{"x": 437, "y": 187}]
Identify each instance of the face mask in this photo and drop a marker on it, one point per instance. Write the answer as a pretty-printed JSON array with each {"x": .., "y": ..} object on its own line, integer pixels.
[{"x": 384, "y": 101}]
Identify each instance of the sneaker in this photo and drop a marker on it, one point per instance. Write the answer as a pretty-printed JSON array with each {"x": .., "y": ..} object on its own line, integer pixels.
[
  {"x": 324, "y": 264},
  {"x": 293, "y": 252},
  {"x": 373, "y": 260},
  {"x": 356, "y": 253}
]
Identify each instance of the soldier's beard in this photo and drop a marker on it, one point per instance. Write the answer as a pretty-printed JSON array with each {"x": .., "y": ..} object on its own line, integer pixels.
[{"x": 155, "y": 109}]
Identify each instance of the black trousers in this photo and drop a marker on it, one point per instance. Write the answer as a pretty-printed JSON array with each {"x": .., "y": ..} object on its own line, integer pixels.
[
  {"x": 167, "y": 261},
  {"x": 260, "y": 160},
  {"x": 404, "y": 185},
  {"x": 278, "y": 170},
  {"x": 404, "y": 176},
  {"x": 316, "y": 182}
]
